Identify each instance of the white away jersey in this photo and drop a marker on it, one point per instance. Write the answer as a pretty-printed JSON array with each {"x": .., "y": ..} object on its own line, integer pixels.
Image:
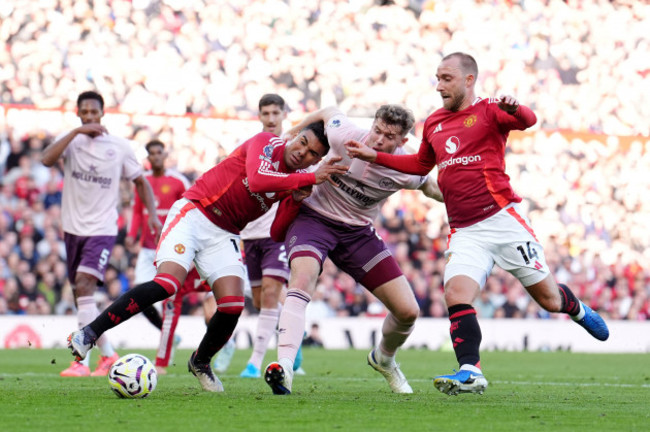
[
  {"x": 357, "y": 198},
  {"x": 92, "y": 171},
  {"x": 260, "y": 227}
]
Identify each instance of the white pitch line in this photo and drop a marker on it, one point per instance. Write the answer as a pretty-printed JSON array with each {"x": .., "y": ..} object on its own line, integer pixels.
[{"x": 341, "y": 378}]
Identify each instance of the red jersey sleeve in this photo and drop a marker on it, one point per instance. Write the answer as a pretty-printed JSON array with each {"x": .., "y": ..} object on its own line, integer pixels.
[
  {"x": 264, "y": 152},
  {"x": 419, "y": 164},
  {"x": 287, "y": 211},
  {"x": 136, "y": 219},
  {"x": 522, "y": 119}
]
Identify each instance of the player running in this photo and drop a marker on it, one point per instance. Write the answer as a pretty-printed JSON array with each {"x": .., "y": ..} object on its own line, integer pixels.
[
  {"x": 466, "y": 139},
  {"x": 203, "y": 227},
  {"x": 337, "y": 221},
  {"x": 94, "y": 161},
  {"x": 266, "y": 263}
]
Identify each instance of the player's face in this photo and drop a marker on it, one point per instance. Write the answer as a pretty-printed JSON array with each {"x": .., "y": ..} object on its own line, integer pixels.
[
  {"x": 157, "y": 157},
  {"x": 303, "y": 151},
  {"x": 272, "y": 117},
  {"x": 452, "y": 84},
  {"x": 90, "y": 111},
  {"x": 385, "y": 137}
]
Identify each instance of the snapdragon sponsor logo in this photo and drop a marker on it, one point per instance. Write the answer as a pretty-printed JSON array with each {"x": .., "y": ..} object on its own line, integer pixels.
[
  {"x": 463, "y": 160},
  {"x": 256, "y": 196}
]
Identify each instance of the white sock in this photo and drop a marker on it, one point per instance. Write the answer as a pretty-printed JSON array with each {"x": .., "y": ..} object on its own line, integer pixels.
[
  {"x": 383, "y": 358},
  {"x": 287, "y": 365},
  {"x": 86, "y": 313},
  {"x": 86, "y": 361},
  {"x": 292, "y": 324},
  {"x": 266, "y": 323},
  {"x": 471, "y": 368}
]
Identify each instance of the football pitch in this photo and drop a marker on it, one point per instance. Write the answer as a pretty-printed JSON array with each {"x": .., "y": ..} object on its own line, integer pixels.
[{"x": 552, "y": 391}]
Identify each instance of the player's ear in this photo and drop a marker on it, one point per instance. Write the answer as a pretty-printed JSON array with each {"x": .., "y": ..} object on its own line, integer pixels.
[{"x": 403, "y": 141}]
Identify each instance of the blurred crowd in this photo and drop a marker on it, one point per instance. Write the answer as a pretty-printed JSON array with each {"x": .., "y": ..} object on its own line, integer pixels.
[
  {"x": 191, "y": 73},
  {"x": 580, "y": 64}
]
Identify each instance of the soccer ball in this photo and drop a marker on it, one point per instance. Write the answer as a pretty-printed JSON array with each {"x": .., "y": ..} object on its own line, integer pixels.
[{"x": 133, "y": 376}]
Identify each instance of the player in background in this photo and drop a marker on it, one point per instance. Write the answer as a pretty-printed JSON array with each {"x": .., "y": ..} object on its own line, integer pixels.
[
  {"x": 466, "y": 139},
  {"x": 94, "y": 161},
  {"x": 266, "y": 262},
  {"x": 203, "y": 227},
  {"x": 168, "y": 186},
  {"x": 337, "y": 221}
]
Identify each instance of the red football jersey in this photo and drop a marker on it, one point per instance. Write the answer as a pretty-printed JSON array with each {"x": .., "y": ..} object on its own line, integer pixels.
[
  {"x": 469, "y": 148},
  {"x": 245, "y": 185},
  {"x": 167, "y": 189}
]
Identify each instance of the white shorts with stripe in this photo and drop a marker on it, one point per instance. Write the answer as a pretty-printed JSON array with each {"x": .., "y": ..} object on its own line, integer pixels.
[
  {"x": 190, "y": 236},
  {"x": 505, "y": 239}
]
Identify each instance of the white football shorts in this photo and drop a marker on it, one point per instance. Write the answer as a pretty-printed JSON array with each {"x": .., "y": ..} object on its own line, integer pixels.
[
  {"x": 145, "y": 269},
  {"x": 505, "y": 239},
  {"x": 190, "y": 236}
]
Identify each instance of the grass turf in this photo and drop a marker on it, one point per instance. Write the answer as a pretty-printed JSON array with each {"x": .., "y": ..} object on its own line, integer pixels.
[{"x": 551, "y": 391}]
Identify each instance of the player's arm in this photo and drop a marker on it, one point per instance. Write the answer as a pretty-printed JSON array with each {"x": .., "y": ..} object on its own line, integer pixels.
[
  {"x": 513, "y": 115},
  {"x": 287, "y": 211},
  {"x": 53, "y": 152},
  {"x": 136, "y": 222},
  {"x": 419, "y": 164},
  {"x": 431, "y": 189},
  {"x": 323, "y": 114},
  {"x": 143, "y": 189}
]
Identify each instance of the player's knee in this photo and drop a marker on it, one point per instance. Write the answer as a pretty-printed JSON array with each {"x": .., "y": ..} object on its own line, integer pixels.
[
  {"x": 408, "y": 315},
  {"x": 303, "y": 281},
  {"x": 85, "y": 286}
]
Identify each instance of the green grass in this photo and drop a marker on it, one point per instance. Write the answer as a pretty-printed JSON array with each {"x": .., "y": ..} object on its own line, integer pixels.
[{"x": 528, "y": 391}]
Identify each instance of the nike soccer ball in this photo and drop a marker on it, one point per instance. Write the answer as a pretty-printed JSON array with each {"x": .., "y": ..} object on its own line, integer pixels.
[{"x": 133, "y": 376}]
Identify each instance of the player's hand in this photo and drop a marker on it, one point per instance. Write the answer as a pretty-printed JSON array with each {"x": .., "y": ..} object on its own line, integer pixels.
[
  {"x": 360, "y": 151},
  {"x": 289, "y": 135},
  {"x": 155, "y": 226},
  {"x": 508, "y": 104},
  {"x": 92, "y": 129},
  {"x": 302, "y": 193},
  {"x": 328, "y": 168}
]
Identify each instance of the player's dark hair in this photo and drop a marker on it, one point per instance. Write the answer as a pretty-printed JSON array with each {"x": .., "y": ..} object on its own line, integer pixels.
[
  {"x": 467, "y": 63},
  {"x": 318, "y": 128},
  {"x": 154, "y": 143},
  {"x": 271, "y": 99},
  {"x": 91, "y": 95},
  {"x": 396, "y": 115}
]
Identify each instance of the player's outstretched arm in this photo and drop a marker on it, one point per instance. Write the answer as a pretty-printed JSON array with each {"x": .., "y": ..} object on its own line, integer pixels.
[
  {"x": 329, "y": 168},
  {"x": 360, "y": 151},
  {"x": 323, "y": 114},
  {"x": 520, "y": 117}
]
